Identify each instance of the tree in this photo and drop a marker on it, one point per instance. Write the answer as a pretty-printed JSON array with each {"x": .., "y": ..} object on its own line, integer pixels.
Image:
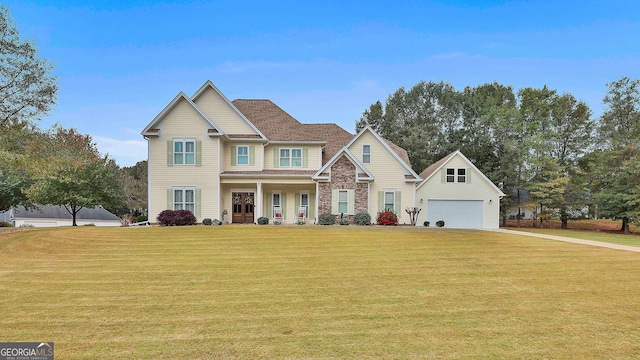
[
  {"x": 617, "y": 167},
  {"x": 134, "y": 180},
  {"x": 14, "y": 180},
  {"x": 27, "y": 89},
  {"x": 72, "y": 173}
]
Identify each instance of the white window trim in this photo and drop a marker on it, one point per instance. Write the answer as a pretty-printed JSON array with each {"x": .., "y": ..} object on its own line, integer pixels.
[
  {"x": 363, "y": 154},
  {"x": 184, "y": 190},
  {"x": 290, "y": 157},
  {"x": 346, "y": 202},
  {"x": 306, "y": 214},
  {"x": 456, "y": 177},
  {"x": 384, "y": 201},
  {"x": 184, "y": 152},
  {"x": 273, "y": 205},
  {"x": 238, "y": 155}
]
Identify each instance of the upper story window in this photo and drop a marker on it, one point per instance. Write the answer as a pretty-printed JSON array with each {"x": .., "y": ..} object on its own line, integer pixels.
[
  {"x": 456, "y": 175},
  {"x": 366, "y": 154},
  {"x": 242, "y": 155},
  {"x": 184, "y": 152},
  {"x": 291, "y": 157}
]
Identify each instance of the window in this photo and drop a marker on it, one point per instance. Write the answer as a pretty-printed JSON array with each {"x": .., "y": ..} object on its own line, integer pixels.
[
  {"x": 277, "y": 207},
  {"x": 390, "y": 200},
  {"x": 184, "y": 152},
  {"x": 366, "y": 154},
  {"x": 291, "y": 157},
  {"x": 456, "y": 175},
  {"x": 462, "y": 175},
  {"x": 184, "y": 199},
  {"x": 242, "y": 155},
  {"x": 343, "y": 201},
  {"x": 304, "y": 203}
]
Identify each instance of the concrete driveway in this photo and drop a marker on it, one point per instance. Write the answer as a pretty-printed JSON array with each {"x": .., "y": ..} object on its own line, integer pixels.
[{"x": 571, "y": 240}]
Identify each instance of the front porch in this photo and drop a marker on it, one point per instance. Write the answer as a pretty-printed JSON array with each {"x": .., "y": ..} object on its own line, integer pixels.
[{"x": 283, "y": 202}]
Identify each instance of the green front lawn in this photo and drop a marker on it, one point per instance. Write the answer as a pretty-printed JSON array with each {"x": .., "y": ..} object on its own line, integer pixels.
[
  {"x": 629, "y": 239},
  {"x": 316, "y": 292}
]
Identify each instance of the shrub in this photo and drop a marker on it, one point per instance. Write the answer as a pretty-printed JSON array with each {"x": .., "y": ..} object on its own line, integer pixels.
[
  {"x": 176, "y": 218},
  {"x": 426, "y": 223},
  {"x": 387, "y": 217},
  {"x": 300, "y": 222},
  {"x": 141, "y": 218},
  {"x": 440, "y": 223},
  {"x": 207, "y": 222},
  {"x": 263, "y": 220},
  {"x": 362, "y": 218},
  {"x": 5, "y": 224},
  {"x": 344, "y": 222},
  {"x": 277, "y": 222},
  {"x": 326, "y": 219},
  {"x": 26, "y": 226}
]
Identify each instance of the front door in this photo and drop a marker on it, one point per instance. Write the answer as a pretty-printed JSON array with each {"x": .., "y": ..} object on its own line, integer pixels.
[{"x": 242, "y": 207}]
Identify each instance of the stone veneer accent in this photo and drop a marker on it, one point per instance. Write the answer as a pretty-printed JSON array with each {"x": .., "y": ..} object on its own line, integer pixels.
[{"x": 343, "y": 177}]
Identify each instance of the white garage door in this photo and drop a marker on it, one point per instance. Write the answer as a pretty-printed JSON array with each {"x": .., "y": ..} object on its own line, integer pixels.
[{"x": 466, "y": 214}]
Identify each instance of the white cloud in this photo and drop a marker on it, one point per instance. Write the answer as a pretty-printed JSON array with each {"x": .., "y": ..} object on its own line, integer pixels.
[{"x": 125, "y": 152}]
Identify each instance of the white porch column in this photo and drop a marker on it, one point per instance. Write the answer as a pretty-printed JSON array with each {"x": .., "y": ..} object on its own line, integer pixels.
[{"x": 258, "y": 202}]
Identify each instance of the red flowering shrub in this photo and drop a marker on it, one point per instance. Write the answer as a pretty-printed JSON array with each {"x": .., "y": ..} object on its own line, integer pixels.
[
  {"x": 387, "y": 218},
  {"x": 176, "y": 218}
]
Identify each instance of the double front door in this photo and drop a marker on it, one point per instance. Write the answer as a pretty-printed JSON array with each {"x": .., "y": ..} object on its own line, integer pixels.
[{"x": 243, "y": 203}]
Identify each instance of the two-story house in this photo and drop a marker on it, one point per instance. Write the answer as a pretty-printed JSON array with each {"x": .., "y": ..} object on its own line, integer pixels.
[{"x": 243, "y": 159}]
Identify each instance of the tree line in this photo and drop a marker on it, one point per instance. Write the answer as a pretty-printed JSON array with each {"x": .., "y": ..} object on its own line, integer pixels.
[
  {"x": 533, "y": 143},
  {"x": 57, "y": 166}
]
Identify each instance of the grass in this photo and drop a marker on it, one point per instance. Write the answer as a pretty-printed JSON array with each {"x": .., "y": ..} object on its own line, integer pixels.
[{"x": 317, "y": 293}]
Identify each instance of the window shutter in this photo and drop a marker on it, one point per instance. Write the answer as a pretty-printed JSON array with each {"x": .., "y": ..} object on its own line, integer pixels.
[
  {"x": 443, "y": 175},
  {"x": 305, "y": 157},
  {"x": 169, "y": 152},
  {"x": 351, "y": 205},
  {"x": 269, "y": 206},
  {"x": 468, "y": 176},
  {"x": 276, "y": 156},
  {"x": 252, "y": 155},
  {"x": 334, "y": 201},
  {"x": 380, "y": 200},
  {"x": 198, "y": 202},
  {"x": 234, "y": 153},
  {"x": 198, "y": 152},
  {"x": 398, "y": 204},
  {"x": 169, "y": 199},
  {"x": 283, "y": 203}
]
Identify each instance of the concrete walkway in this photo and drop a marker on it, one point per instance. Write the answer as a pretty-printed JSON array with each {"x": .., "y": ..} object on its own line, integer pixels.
[{"x": 571, "y": 240}]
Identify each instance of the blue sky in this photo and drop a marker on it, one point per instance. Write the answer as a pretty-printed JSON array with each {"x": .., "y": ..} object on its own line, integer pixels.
[{"x": 119, "y": 63}]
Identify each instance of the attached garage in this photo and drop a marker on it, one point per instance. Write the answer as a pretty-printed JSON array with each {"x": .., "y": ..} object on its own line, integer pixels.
[
  {"x": 466, "y": 214},
  {"x": 455, "y": 191}
]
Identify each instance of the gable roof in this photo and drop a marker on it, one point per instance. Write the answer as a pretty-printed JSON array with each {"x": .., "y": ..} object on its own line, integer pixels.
[
  {"x": 278, "y": 125},
  {"x": 209, "y": 85},
  {"x": 360, "y": 168},
  {"x": 396, "y": 152},
  {"x": 150, "y": 130},
  {"x": 59, "y": 212},
  {"x": 433, "y": 169}
]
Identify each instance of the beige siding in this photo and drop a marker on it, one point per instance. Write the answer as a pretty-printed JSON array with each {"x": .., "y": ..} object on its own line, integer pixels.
[
  {"x": 477, "y": 188},
  {"x": 222, "y": 114},
  {"x": 183, "y": 122},
  {"x": 227, "y": 156},
  {"x": 388, "y": 173},
  {"x": 313, "y": 156}
]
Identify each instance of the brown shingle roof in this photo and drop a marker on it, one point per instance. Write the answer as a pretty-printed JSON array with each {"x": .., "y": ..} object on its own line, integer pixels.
[
  {"x": 277, "y": 125},
  {"x": 428, "y": 171}
]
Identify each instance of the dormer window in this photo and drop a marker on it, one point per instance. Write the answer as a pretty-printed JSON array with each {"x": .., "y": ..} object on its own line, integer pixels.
[
  {"x": 366, "y": 154},
  {"x": 456, "y": 175}
]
